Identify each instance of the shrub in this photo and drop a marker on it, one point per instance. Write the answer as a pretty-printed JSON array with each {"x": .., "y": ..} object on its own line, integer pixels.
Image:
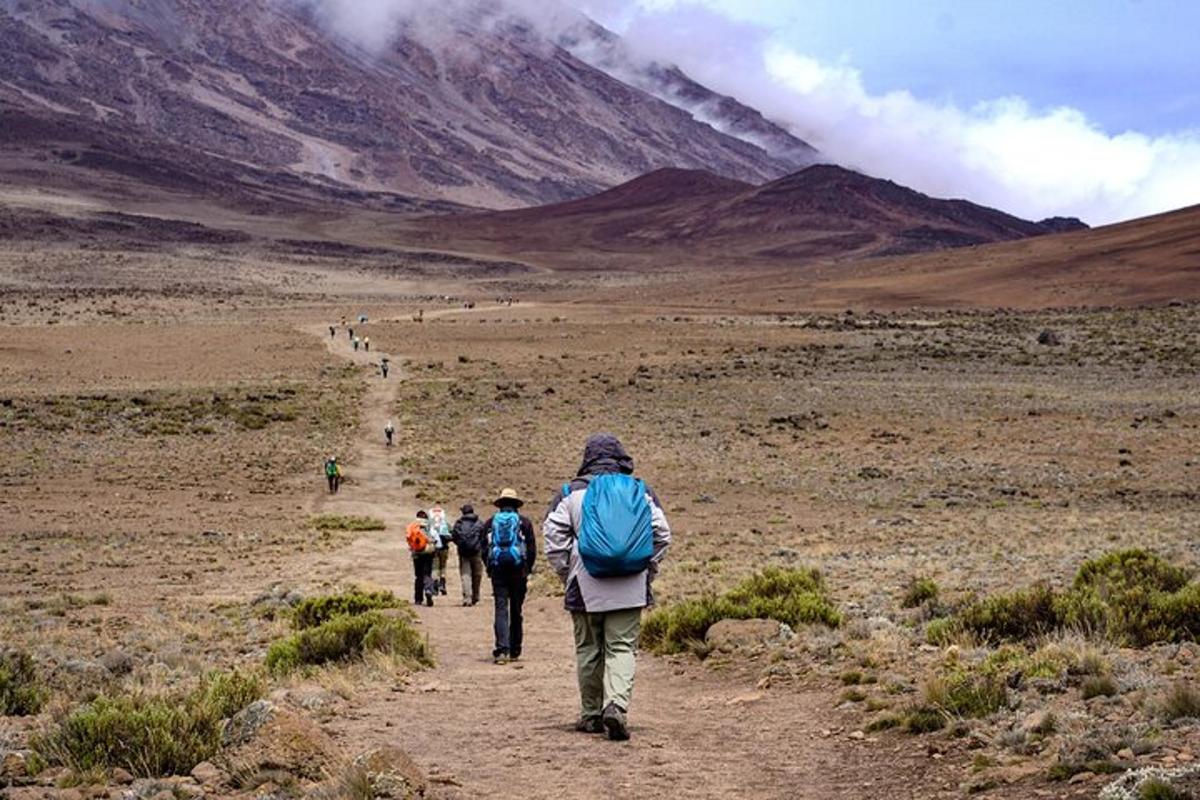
[
  {"x": 1160, "y": 789},
  {"x": 963, "y": 694},
  {"x": 1098, "y": 686},
  {"x": 314, "y": 611},
  {"x": 22, "y": 692},
  {"x": 1023, "y": 614},
  {"x": 1182, "y": 701},
  {"x": 919, "y": 592},
  {"x": 336, "y": 522},
  {"x": 942, "y": 631},
  {"x": 791, "y": 596},
  {"x": 148, "y": 735},
  {"x": 347, "y": 638}
]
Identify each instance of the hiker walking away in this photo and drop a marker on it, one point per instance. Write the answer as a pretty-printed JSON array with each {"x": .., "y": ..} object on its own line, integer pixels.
[
  {"x": 421, "y": 547},
  {"x": 333, "y": 474},
  {"x": 466, "y": 535},
  {"x": 357, "y": 342},
  {"x": 389, "y": 432},
  {"x": 367, "y": 344},
  {"x": 511, "y": 551},
  {"x": 384, "y": 365},
  {"x": 606, "y": 535},
  {"x": 439, "y": 533},
  {"x": 351, "y": 332},
  {"x": 332, "y": 332}
]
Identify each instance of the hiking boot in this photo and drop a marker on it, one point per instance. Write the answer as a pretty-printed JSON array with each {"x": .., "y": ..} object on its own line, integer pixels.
[
  {"x": 429, "y": 599},
  {"x": 501, "y": 659},
  {"x": 589, "y": 725},
  {"x": 614, "y": 723}
]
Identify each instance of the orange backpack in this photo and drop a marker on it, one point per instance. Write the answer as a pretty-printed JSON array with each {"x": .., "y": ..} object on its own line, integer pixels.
[{"x": 418, "y": 540}]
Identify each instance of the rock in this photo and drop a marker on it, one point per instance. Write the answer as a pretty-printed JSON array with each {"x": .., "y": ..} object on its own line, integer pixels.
[
  {"x": 13, "y": 766},
  {"x": 1039, "y": 722},
  {"x": 1125, "y": 754},
  {"x": 309, "y": 698},
  {"x": 118, "y": 662},
  {"x": 121, "y": 777},
  {"x": 1049, "y": 338},
  {"x": 858, "y": 736},
  {"x": 1081, "y": 777},
  {"x": 263, "y": 737},
  {"x": 734, "y": 634},
  {"x": 207, "y": 774},
  {"x": 392, "y": 773}
]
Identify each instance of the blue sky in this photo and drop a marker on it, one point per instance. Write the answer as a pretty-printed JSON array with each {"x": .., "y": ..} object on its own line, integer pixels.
[{"x": 1055, "y": 107}]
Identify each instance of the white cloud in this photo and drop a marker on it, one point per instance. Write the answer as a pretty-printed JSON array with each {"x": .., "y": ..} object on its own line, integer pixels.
[{"x": 1035, "y": 163}]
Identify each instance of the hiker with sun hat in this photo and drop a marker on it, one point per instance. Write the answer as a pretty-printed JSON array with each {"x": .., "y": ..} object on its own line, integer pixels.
[{"x": 510, "y": 550}]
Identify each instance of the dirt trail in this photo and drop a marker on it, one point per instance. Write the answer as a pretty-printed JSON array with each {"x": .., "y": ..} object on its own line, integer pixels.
[{"x": 506, "y": 731}]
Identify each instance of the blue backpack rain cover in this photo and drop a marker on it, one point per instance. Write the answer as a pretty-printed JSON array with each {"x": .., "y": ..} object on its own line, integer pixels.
[
  {"x": 508, "y": 543},
  {"x": 616, "y": 536}
]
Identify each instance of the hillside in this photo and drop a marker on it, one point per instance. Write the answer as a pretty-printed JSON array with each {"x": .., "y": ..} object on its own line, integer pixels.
[{"x": 257, "y": 101}]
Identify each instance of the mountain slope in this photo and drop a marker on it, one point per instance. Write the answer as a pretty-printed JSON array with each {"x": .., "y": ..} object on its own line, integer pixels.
[
  {"x": 682, "y": 216},
  {"x": 496, "y": 115}
]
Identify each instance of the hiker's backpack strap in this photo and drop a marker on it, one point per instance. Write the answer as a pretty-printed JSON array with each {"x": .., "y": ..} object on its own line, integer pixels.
[{"x": 566, "y": 490}]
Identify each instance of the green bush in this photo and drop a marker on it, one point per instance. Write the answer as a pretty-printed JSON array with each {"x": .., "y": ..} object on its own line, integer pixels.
[
  {"x": 791, "y": 596},
  {"x": 1131, "y": 597},
  {"x": 962, "y": 693},
  {"x": 314, "y": 611},
  {"x": 1098, "y": 686},
  {"x": 337, "y": 522},
  {"x": 1023, "y": 614},
  {"x": 149, "y": 735},
  {"x": 347, "y": 638},
  {"x": 1160, "y": 789},
  {"x": 1182, "y": 701},
  {"x": 942, "y": 631},
  {"x": 919, "y": 592},
  {"x": 22, "y": 692}
]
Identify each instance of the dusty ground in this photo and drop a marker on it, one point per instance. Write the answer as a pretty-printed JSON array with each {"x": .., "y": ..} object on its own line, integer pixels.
[{"x": 161, "y": 464}]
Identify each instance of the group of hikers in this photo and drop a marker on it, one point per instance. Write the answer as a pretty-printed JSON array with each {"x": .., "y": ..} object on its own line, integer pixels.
[
  {"x": 357, "y": 342},
  {"x": 604, "y": 535}
]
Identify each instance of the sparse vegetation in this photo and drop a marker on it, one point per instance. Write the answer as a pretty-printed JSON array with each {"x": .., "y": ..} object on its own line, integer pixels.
[
  {"x": 314, "y": 611},
  {"x": 335, "y": 522},
  {"x": 1098, "y": 686},
  {"x": 1182, "y": 701},
  {"x": 150, "y": 735},
  {"x": 347, "y": 638},
  {"x": 919, "y": 592},
  {"x": 791, "y": 596},
  {"x": 22, "y": 692}
]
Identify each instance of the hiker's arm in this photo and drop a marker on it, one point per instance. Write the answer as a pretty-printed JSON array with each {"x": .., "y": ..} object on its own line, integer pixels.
[
  {"x": 485, "y": 542},
  {"x": 558, "y": 537},
  {"x": 530, "y": 543},
  {"x": 662, "y": 537}
]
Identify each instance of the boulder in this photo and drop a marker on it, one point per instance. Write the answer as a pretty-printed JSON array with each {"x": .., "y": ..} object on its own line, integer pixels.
[
  {"x": 13, "y": 766},
  {"x": 735, "y": 634},
  {"x": 207, "y": 774},
  {"x": 392, "y": 774},
  {"x": 265, "y": 738}
]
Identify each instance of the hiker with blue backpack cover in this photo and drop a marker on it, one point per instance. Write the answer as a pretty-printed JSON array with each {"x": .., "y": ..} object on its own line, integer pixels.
[
  {"x": 511, "y": 551},
  {"x": 605, "y": 536}
]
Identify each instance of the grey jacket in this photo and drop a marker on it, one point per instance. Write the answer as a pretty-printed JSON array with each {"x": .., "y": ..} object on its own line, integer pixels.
[{"x": 585, "y": 593}]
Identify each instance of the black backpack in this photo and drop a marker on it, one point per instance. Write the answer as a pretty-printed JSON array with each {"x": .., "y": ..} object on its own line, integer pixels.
[{"x": 468, "y": 535}]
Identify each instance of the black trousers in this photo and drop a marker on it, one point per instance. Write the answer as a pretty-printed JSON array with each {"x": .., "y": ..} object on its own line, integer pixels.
[
  {"x": 423, "y": 582},
  {"x": 509, "y": 590}
]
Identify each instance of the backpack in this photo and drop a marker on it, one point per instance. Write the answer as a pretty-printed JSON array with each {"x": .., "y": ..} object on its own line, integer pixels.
[
  {"x": 331, "y": 469},
  {"x": 418, "y": 540},
  {"x": 616, "y": 533},
  {"x": 508, "y": 542},
  {"x": 467, "y": 533}
]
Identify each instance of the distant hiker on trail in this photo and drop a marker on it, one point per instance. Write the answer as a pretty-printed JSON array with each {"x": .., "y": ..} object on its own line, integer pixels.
[
  {"x": 511, "y": 551},
  {"x": 357, "y": 342},
  {"x": 389, "y": 432},
  {"x": 351, "y": 332},
  {"x": 439, "y": 533},
  {"x": 605, "y": 536},
  {"x": 466, "y": 535},
  {"x": 422, "y": 555},
  {"x": 333, "y": 474},
  {"x": 367, "y": 344},
  {"x": 332, "y": 332},
  {"x": 384, "y": 366}
]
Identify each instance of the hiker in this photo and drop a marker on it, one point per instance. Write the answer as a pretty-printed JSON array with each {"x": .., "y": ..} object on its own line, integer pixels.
[
  {"x": 421, "y": 548},
  {"x": 389, "y": 431},
  {"x": 333, "y": 474},
  {"x": 605, "y": 536},
  {"x": 439, "y": 534},
  {"x": 351, "y": 332},
  {"x": 332, "y": 332},
  {"x": 384, "y": 365},
  {"x": 466, "y": 537},
  {"x": 357, "y": 342},
  {"x": 367, "y": 344},
  {"x": 511, "y": 551}
]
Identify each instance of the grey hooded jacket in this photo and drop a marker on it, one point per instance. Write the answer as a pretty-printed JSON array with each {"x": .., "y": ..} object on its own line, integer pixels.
[{"x": 603, "y": 454}]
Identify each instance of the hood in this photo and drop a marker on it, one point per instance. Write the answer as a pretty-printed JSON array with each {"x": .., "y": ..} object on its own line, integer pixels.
[{"x": 603, "y": 454}]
